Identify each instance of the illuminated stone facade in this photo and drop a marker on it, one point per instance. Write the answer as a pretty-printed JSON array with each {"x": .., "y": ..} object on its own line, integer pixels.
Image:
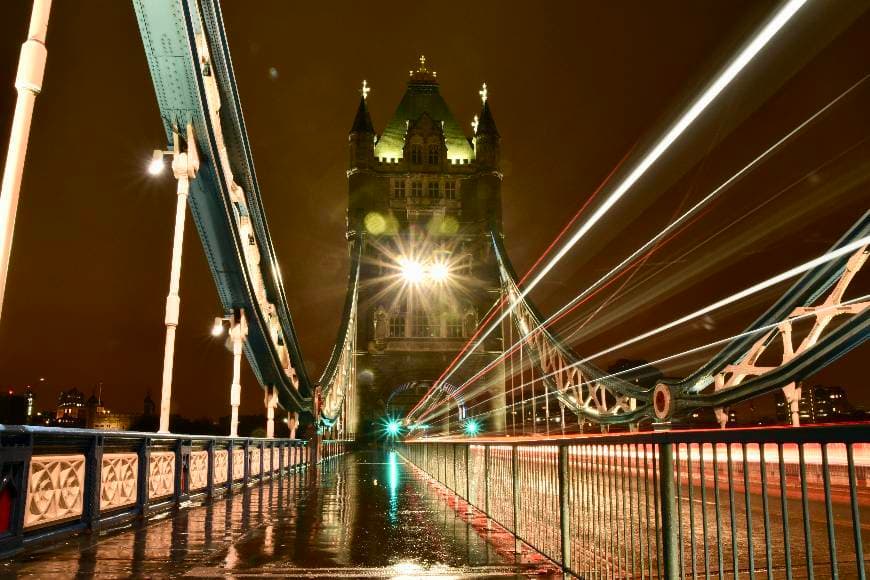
[{"x": 427, "y": 196}]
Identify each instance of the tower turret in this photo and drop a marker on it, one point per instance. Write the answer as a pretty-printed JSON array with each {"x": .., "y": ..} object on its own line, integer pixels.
[
  {"x": 486, "y": 137},
  {"x": 362, "y": 134},
  {"x": 427, "y": 273}
]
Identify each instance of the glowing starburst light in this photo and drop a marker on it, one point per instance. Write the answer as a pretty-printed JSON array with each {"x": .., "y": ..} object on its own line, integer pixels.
[{"x": 412, "y": 271}]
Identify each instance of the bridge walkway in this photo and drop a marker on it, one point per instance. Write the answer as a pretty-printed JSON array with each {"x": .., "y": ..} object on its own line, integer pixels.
[{"x": 366, "y": 514}]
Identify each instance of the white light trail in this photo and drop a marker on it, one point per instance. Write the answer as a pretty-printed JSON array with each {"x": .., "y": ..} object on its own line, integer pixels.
[
  {"x": 797, "y": 270},
  {"x": 782, "y": 277},
  {"x": 669, "y": 358},
  {"x": 692, "y": 211},
  {"x": 774, "y": 25}
]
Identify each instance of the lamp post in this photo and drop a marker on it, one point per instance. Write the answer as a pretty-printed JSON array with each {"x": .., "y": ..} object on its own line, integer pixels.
[
  {"x": 238, "y": 332},
  {"x": 185, "y": 164},
  {"x": 28, "y": 83}
]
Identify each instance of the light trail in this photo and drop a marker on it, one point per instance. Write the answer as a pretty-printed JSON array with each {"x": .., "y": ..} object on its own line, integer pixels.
[
  {"x": 742, "y": 217},
  {"x": 691, "y": 351},
  {"x": 758, "y": 42},
  {"x": 657, "y": 241},
  {"x": 791, "y": 273},
  {"x": 754, "y": 289},
  {"x": 498, "y": 304}
]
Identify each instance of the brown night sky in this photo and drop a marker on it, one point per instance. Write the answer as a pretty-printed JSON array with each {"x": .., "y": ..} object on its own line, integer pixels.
[{"x": 573, "y": 86}]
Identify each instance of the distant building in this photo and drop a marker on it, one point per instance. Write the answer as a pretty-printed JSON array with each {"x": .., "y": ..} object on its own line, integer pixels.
[
  {"x": 818, "y": 404},
  {"x": 13, "y": 409},
  {"x": 70, "y": 410},
  {"x": 74, "y": 411},
  {"x": 28, "y": 397},
  {"x": 100, "y": 417}
]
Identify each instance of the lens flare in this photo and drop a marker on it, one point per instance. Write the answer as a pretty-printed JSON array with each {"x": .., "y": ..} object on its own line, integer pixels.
[
  {"x": 472, "y": 427},
  {"x": 439, "y": 272},
  {"x": 412, "y": 271}
]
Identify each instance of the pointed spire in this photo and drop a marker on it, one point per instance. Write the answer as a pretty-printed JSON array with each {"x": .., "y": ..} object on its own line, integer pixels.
[
  {"x": 362, "y": 123},
  {"x": 485, "y": 123}
]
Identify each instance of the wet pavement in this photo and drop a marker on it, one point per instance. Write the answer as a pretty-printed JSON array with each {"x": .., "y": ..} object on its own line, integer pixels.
[{"x": 368, "y": 515}]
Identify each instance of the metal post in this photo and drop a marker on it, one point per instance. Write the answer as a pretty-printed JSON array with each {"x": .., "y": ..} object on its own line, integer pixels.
[
  {"x": 563, "y": 508},
  {"x": 486, "y": 483},
  {"x": 28, "y": 84},
  {"x": 210, "y": 485},
  {"x": 467, "y": 476},
  {"x": 238, "y": 331},
  {"x": 93, "y": 483},
  {"x": 184, "y": 167},
  {"x": 669, "y": 523},
  {"x": 271, "y": 401},
  {"x": 515, "y": 481}
]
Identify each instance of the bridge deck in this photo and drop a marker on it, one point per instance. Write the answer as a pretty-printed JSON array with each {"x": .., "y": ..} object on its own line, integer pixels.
[{"x": 360, "y": 515}]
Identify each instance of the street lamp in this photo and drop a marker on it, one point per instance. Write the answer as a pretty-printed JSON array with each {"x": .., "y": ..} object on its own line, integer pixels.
[
  {"x": 238, "y": 331},
  {"x": 416, "y": 272},
  {"x": 157, "y": 165},
  {"x": 218, "y": 328},
  {"x": 185, "y": 164}
]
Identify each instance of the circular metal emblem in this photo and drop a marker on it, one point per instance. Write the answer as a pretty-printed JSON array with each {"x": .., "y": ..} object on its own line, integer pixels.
[{"x": 662, "y": 402}]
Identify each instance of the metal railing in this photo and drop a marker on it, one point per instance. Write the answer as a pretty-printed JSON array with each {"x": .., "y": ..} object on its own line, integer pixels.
[
  {"x": 766, "y": 503},
  {"x": 56, "y": 481}
]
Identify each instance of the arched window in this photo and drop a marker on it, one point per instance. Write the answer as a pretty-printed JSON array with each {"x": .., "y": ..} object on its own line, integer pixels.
[{"x": 434, "y": 154}]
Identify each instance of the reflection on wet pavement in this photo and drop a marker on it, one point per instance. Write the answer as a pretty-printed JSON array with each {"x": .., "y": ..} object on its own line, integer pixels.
[{"x": 361, "y": 515}]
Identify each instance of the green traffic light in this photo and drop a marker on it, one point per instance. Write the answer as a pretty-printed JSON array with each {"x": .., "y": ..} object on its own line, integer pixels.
[
  {"x": 393, "y": 427},
  {"x": 472, "y": 427}
]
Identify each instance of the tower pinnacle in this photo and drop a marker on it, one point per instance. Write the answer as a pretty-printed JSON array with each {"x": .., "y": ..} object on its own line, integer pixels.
[
  {"x": 365, "y": 90},
  {"x": 483, "y": 93},
  {"x": 423, "y": 74}
]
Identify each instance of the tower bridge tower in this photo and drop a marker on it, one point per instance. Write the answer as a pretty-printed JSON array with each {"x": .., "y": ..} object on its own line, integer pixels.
[{"x": 426, "y": 197}]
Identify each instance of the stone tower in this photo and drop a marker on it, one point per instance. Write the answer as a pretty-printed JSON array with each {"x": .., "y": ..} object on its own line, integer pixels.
[{"x": 428, "y": 198}]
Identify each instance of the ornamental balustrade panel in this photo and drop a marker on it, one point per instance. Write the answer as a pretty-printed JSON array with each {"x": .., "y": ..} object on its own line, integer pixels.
[
  {"x": 55, "y": 489},
  {"x": 119, "y": 476},
  {"x": 77, "y": 480},
  {"x": 276, "y": 458},
  {"x": 221, "y": 466},
  {"x": 254, "y": 458},
  {"x": 199, "y": 470},
  {"x": 238, "y": 463},
  {"x": 161, "y": 474}
]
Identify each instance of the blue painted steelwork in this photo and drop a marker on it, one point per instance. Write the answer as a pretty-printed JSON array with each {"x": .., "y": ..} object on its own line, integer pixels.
[
  {"x": 340, "y": 370},
  {"x": 689, "y": 393},
  {"x": 805, "y": 292},
  {"x": 185, "y": 44},
  {"x": 186, "y": 48}
]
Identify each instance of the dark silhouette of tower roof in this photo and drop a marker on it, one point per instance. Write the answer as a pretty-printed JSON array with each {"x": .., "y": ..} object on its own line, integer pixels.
[
  {"x": 486, "y": 124},
  {"x": 362, "y": 123}
]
